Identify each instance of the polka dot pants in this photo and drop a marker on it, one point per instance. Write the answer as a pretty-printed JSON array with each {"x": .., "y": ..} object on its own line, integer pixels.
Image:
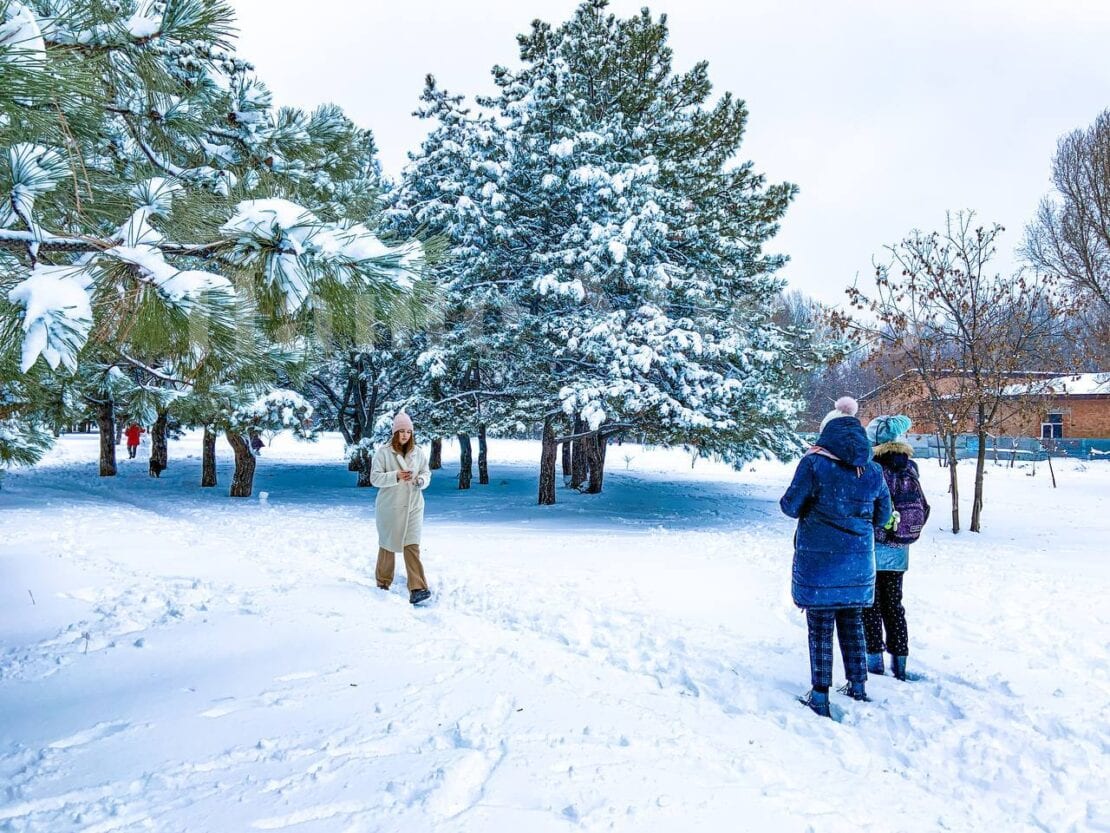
[{"x": 888, "y": 613}]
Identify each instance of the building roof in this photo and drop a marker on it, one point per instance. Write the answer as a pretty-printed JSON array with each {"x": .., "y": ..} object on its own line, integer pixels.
[
  {"x": 955, "y": 374},
  {"x": 1081, "y": 384}
]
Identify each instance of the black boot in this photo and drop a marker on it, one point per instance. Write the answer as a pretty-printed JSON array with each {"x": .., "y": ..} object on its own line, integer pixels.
[
  {"x": 818, "y": 702},
  {"x": 856, "y": 691},
  {"x": 418, "y": 596}
]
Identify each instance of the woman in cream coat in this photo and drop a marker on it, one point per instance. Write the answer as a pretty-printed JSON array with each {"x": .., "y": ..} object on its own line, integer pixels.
[{"x": 400, "y": 472}]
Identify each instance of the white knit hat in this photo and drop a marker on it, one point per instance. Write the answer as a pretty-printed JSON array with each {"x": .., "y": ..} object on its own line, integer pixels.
[{"x": 845, "y": 406}]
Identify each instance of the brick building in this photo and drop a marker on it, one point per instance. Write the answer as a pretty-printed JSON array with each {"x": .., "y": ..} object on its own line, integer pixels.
[
  {"x": 1039, "y": 405},
  {"x": 1065, "y": 407}
]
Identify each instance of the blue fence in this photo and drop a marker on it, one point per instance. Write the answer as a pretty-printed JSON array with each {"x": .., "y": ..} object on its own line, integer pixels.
[
  {"x": 925, "y": 446},
  {"x": 1023, "y": 448}
]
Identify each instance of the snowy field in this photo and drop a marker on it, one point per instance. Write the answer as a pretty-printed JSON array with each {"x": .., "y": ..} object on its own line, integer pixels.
[{"x": 174, "y": 660}]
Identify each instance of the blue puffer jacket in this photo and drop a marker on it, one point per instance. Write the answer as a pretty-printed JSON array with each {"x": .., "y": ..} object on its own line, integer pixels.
[{"x": 838, "y": 504}]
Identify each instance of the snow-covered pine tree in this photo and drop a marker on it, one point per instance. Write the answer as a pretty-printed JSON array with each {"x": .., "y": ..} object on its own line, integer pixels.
[
  {"x": 670, "y": 237},
  {"x": 624, "y": 240},
  {"x": 466, "y": 384},
  {"x": 154, "y": 197}
]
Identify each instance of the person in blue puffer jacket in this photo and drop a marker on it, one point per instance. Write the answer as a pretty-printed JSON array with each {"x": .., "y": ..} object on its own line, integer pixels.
[{"x": 839, "y": 497}]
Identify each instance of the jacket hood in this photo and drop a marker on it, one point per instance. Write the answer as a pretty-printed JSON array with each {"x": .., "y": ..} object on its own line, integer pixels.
[
  {"x": 896, "y": 447},
  {"x": 846, "y": 439}
]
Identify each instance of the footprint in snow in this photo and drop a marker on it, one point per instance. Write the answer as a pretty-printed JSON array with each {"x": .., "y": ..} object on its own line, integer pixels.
[
  {"x": 478, "y": 737},
  {"x": 97, "y": 732},
  {"x": 265, "y": 700}
]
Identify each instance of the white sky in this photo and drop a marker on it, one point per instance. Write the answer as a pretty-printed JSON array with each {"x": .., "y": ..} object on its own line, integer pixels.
[{"x": 885, "y": 114}]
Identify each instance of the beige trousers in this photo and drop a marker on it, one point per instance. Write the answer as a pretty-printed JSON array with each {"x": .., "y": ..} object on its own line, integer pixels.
[{"x": 415, "y": 570}]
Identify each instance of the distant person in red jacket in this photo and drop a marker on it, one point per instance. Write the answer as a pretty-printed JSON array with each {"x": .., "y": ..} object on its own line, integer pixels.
[{"x": 133, "y": 432}]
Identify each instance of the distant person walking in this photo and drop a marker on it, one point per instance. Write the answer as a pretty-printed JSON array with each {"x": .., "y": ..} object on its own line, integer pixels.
[
  {"x": 838, "y": 496},
  {"x": 892, "y": 544},
  {"x": 400, "y": 471},
  {"x": 134, "y": 433}
]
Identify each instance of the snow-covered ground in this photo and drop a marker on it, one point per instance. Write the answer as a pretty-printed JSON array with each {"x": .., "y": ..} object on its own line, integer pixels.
[{"x": 175, "y": 660}]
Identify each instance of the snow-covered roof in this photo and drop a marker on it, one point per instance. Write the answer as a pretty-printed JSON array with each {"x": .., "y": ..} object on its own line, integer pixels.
[{"x": 1078, "y": 385}]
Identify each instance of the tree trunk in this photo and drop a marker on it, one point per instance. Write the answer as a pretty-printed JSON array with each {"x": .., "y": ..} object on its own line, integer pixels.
[
  {"x": 566, "y": 459},
  {"x": 466, "y": 461},
  {"x": 547, "y": 464},
  {"x": 106, "y": 422},
  {"x": 594, "y": 448},
  {"x": 980, "y": 465},
  {"x": 436, "y": 460},
  {"x": 159, "y": 454},
  {"x": 242, "y": 482},
  {"x": 208, "y": 458},
  {"x": 119, "y": 430},
  {"x": 363, "y": 464},
  {"x": 483, "y": 456},
  {"x": 953, "y": 482},
  {"x": 579, "y": 464}
]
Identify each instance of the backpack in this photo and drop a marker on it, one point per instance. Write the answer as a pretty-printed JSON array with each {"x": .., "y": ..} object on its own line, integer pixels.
[{"x": 909, "y": 501}]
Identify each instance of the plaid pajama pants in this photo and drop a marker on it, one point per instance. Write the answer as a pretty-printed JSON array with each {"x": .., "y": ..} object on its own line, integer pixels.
[{"x": 849, "y": 630}]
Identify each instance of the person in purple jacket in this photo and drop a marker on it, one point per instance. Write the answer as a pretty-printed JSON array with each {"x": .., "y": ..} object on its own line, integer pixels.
[{"x": 839, "y": 497}]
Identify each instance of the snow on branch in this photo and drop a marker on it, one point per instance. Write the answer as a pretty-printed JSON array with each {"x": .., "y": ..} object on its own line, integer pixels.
[
  {"x": 177, "y": 286},
  {"x": 275, "y": 411},
  {"x": 57, "y": 314},
  {"x": 34, "y": 171},
  {"x": 22, "y": 443},
  {"x": 21, "y": 40},
  {"x": 145, "y": 24},
  {"x": 293, "y": 245}
]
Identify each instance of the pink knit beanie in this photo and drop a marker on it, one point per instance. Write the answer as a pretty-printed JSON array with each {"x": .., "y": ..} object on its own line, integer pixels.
[
  {"x": 402, "y": 422},
  {"x": 845, "y": 406}
]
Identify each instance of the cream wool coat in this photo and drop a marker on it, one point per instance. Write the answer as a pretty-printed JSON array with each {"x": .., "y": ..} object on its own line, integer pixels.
[{"x": 398, "y": 500}]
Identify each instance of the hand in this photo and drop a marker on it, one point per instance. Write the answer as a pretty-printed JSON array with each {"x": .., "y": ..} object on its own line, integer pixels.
[
  {"x": 404, "y": 475},
  {"x": 895, "y": 519}
]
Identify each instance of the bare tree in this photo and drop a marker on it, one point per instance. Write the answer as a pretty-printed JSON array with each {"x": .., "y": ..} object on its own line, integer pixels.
[
  {"x": 964, "y": 332},
  {"x": 829, "y": 365},
  {"x": 1070, "y": 236}
]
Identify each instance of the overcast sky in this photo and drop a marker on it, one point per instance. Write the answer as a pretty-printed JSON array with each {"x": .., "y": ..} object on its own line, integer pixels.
[{"x": 885, "y": 114}]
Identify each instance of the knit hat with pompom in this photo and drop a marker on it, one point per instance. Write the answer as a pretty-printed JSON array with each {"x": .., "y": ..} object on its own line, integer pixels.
[
  {"x": 888, "y": 429},
  {"x": 845, "y": 406}
]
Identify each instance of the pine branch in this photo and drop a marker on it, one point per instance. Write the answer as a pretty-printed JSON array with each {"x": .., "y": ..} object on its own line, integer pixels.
[
  {"x": 17, "y": 240},
  {"x": 162, "y": 377},
  {"x": 48, "y": 242},
  {"x": 148, "y": 152}
]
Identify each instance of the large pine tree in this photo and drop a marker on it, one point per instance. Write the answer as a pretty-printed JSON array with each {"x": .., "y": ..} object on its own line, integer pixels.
[
  {"x": 156, "y": 205},
  {"x": 601, "y": 221}
]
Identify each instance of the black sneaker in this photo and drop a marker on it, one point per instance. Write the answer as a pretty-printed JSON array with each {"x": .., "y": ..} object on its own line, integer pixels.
[{"x": 418, "y": 596}]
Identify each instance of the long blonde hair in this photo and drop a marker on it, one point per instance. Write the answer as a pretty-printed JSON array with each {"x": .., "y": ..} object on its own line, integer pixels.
[{"x": 398, "y": 448}]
